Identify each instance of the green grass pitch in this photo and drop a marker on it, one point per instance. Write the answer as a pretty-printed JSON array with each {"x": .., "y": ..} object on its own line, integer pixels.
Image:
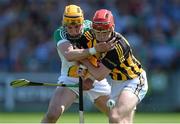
[{"x": 89, "y": 118}]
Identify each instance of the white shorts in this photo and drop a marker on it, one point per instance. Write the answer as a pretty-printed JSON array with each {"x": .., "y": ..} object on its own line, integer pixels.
[
  {"x": 138, "y": 86},
  {"x": 101, "y": 88}
]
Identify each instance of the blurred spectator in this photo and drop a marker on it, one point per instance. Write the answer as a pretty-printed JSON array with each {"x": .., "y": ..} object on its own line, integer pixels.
[{"x": 162, "y": 53}]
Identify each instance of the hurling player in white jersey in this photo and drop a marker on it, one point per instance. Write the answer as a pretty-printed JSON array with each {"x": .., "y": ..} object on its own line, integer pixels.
[{"x": 66, "y": 38}]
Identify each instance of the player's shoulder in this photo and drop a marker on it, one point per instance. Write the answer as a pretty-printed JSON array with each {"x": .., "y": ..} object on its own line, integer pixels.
[
  {"x": 60, "y": 33},
  {"x": 87, "y": 25},
  {"x": 87, "y": 22},
  {"x": 89, "y": 34},
  {"x": 120, "y": 37},
  {"x": 60, "y": 30}
]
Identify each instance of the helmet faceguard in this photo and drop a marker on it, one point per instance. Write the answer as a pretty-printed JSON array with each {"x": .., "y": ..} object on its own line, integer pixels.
[{"x": 103, "y": 20}]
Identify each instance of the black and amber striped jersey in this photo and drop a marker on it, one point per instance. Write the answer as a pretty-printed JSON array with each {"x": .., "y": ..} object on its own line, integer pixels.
[
  {"x": 88, "y": 41},
  {"x": 121, "y": 61}
]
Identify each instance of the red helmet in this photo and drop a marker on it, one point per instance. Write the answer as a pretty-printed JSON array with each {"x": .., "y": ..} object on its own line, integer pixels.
[{"x": 103, "y": 20}]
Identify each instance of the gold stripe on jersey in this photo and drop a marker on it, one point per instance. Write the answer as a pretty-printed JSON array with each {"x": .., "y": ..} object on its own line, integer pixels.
[
  {"x": 72, "y": 72},
  {"x": 135, "y": 67},
  {"x": 93, "y": 60},
  {"x": 132, "y": 68},
  {"x": 94, "y": 42},
  {"x": 90, "y": 39},
  {"x": 118, "y": 75},
  {"x": 88, "y": 35},
  {"x": 129, "y": 71},
  {"x": 123, "y": 76},
  {"x": 119, "y": 50},
  {"x": 122, "y": 56},
  {"x": 114, "y": 75},
  {"x": 89, "y": 44}
]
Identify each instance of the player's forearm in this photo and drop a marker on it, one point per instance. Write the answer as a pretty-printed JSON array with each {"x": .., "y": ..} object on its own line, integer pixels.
[
  {"x": 76, "y": 54},
  {"x": 97, "y": 72}
]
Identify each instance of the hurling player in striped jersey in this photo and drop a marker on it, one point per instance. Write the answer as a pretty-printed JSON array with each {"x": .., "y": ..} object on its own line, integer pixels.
[{"x": 122, "y": 69}]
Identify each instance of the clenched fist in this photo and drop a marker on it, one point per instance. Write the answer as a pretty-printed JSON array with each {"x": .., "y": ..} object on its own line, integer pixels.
[{"x": 105, "y": 46}]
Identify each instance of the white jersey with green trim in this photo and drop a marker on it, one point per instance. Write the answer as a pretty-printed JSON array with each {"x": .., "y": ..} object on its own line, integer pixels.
[{"x": 60, "y": 36}]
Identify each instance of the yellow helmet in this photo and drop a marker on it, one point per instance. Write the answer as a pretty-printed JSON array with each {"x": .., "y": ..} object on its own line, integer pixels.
[{"x": 72, "y": 15}]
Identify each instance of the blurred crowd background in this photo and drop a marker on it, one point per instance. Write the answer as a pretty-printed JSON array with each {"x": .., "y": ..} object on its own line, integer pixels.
[{"x": 151, "y": 26}]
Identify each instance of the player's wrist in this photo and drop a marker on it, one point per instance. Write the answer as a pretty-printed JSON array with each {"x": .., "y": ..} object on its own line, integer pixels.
[
  {"x": 92, "y": 51},
  {"x": 91, "y": 77}
]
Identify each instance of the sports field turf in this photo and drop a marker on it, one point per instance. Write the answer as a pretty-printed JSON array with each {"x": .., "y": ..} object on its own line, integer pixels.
[{"x": 89, "y": 118}]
